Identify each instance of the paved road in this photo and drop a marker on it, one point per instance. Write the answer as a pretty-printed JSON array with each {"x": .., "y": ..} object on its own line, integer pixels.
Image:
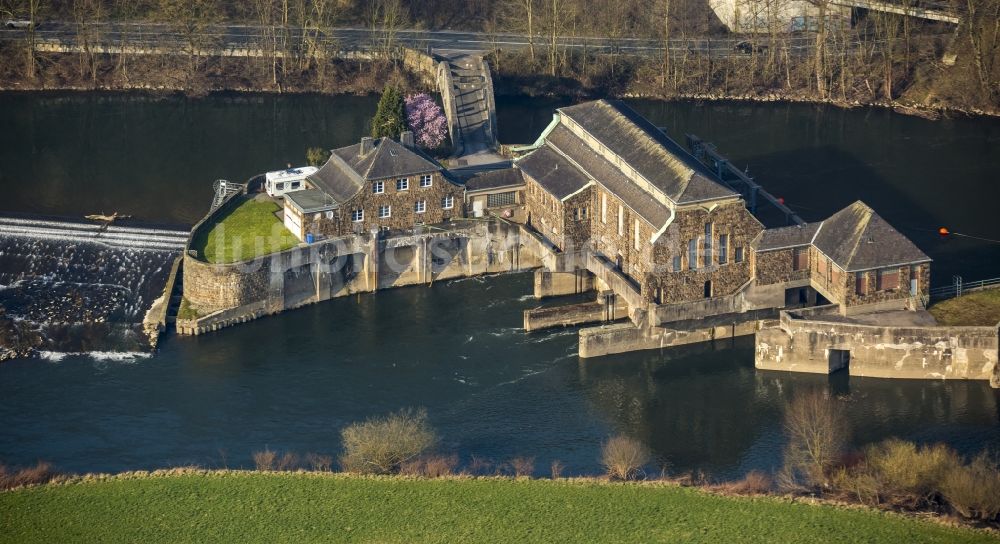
[{"x": 352, "y": 38}]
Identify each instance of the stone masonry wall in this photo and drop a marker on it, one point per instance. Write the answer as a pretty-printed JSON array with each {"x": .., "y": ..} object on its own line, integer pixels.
[
  {"x": 403, "y": 214},
  {"x": 732, "y": 219},
  {"x": 212, "y": 287},
  {"x": 636, "y": 263},
  {"x": 577, "y": 232},
  {"x": 771, "y": 267},
  {"x": 545, "y": 212}
]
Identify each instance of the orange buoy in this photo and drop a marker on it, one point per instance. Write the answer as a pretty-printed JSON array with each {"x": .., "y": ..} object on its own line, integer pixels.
[
  {"x": 781, "y": 200},
  {"x": 943, "y": 231}
]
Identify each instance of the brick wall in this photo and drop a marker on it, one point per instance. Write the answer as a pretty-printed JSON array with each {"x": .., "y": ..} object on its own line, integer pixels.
[{"x": 402, "y": 203}]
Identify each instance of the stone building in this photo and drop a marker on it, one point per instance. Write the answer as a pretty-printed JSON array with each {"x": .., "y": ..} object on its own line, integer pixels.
[
  {"x": 854, "y": 258},
  {"x": 377, "y": 184},
  {"x": 604, "y": 179}
]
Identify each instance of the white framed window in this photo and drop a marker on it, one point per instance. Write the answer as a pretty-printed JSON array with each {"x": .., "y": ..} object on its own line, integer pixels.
[
  {"x": 693, "y": 254},
  {"x": 677, "y": 263},
  {"x": 604, "y": 208},
  {"x": 738, "y": 254},
  {"x": 621, "y": 220},
  {"x": 420, "y": 206},
  {"x": 448, "y": 202},
  {"x": 635, "y": 241},
  {"x": 723, "y": 248},
  {"x": 378, "y": 187},
  {"x": 426, "y": 180},
  {"x": 384, "y": 211},
  {"x": 358, "y": 216},
  {"x": 402, "y": 184}
]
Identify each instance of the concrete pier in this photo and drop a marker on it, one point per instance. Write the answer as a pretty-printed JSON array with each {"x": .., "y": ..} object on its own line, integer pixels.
[{"x": 607, "y": 307}]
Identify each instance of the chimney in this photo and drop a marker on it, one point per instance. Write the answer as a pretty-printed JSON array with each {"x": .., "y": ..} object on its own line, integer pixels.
[
  {"x": 406, "y": 138},
  {"x": 366, "y": 146}
]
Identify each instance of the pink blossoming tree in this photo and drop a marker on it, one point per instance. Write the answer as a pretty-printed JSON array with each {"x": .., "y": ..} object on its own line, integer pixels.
[{"x": 426, "y": 120}]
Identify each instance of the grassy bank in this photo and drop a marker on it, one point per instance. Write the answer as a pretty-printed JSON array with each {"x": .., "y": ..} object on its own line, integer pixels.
[
  {"x": 248, "y": 230},
  {"x": 976, "y": 308},
  {"x": 299, "y": 507}
]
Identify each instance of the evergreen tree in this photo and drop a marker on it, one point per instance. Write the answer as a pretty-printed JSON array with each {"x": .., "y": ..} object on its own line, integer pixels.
[{"x": 389, "y": 120}]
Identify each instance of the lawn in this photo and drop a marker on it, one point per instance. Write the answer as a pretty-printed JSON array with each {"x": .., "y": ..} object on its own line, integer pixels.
[
  {"x": 288, "y": 507},
  {"x": 248, "y": 230},
  {"x": 976, "y": 308}
]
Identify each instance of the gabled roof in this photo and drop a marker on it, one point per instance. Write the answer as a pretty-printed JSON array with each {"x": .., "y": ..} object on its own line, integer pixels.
[
  {"x": 553, "y": 171},
  {"x": 603, "y": 172},
  {"x": 785, "y": 237},
  {"x": 348, "y": 170},
  {"x": 857, "y": 239},
  {"x": 662, "y": 161}
]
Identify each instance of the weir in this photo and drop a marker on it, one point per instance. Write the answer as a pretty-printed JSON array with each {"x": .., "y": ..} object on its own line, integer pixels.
[{"x": 71, "y": 286}]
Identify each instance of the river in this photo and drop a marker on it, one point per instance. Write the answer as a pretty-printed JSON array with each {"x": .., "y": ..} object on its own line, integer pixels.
[{"x": 292, "y": 382}]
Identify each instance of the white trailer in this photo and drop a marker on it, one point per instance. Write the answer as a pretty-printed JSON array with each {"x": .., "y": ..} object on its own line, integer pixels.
[{"x": 279, "y": 182}]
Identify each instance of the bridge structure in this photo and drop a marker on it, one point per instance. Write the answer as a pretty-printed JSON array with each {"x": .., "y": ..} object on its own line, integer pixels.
[{"x": 932, "y": 11}]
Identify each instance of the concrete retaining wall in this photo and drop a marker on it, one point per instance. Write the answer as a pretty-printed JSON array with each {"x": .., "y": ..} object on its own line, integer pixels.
[
  {"x": 624, "y": 337},
  {"x": 815, "y": 345},
  {"x": 234, "y": 293}
]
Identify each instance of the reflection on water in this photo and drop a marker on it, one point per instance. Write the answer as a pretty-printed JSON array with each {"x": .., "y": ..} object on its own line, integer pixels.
[{"x": 291, "y": 382}]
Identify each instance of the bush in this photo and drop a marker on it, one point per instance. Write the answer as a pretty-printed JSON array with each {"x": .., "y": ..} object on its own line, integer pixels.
[
  {"x": 557, "y": 469},
  {"x": 908, "y": 475},
  {"x": 380, "y": 445},
  {"x": 624, "y": 457},
  {"x": 265, "y": 460},
  {"x": 317, "y": 156},
  {"x": 522, "y": 466},
  {"x": 817, "y": 433},
  {"x": 319, "y": 463},
  {"x": 973, "y": 490},
  {"x": 430, "y": 466}
]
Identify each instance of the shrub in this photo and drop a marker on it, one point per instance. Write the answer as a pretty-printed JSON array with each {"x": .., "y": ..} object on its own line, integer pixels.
[
  {"x": 317, "y": 156},
  {"x": 973, "y": 490},
  {"x": 288, "y": 461},
  {"x": 481, "y": 466},
  {"x": 430, "y": 466},
  {"x": 557, "y": 469},
  {"x": 624, "y": 457},
  {"x": 857, "y": 483},
  {"x": 909, "y": 475},
  {"x": 380, "y": 445},
  {"x": 265, "y": 460},
  {"x": 41, "y": 473},
  {"x": 755, "y": 482},
  {"x": 817, "y": 433},
  {"x": 522, "y": 466},
  {"x": 319, "y": 463}
]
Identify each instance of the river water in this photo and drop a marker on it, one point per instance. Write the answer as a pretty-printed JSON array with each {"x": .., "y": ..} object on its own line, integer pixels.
[{"x": 291, "y": 382}]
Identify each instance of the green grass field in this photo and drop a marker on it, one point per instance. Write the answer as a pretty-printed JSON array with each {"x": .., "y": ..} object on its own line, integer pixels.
[
  {"x": 289, "y": 507},
  {"x": 976, "y": 308},
  {"x": 250, "y": 229}
]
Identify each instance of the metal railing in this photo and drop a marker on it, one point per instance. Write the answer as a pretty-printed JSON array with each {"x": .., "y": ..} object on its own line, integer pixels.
[{"x": 959, "y": 287}]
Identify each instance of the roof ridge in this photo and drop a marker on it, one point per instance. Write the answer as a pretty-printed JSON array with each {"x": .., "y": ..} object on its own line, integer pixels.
[
  {"x": 376, "y": 152},
  {"x": 862, "y": 228}
]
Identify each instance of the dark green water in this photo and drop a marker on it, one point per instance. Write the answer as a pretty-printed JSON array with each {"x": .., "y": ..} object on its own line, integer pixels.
[{"x": 291, "y": 382}]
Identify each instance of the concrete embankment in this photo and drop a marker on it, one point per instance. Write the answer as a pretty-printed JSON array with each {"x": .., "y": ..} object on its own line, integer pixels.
[
  {"x": 225, "y": 294},
  {"x": 809, "y": 341}
]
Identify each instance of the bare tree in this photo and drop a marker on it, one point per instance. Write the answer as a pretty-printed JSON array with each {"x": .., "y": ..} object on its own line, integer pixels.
[
  {"x": 385, "y": 18},
  {"x": 982, "y": 22},
  {"x": 88, "y": 16},
  {"x": 817, "y": 434},
  {"x": 191, "y": 20},
  {"x": 125, "y": 11}
]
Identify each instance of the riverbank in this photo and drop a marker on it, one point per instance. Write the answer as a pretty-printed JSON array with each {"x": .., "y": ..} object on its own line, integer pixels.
[
  {"x": 637, "y": 79},
  {"x": 180, "y": 505}
]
